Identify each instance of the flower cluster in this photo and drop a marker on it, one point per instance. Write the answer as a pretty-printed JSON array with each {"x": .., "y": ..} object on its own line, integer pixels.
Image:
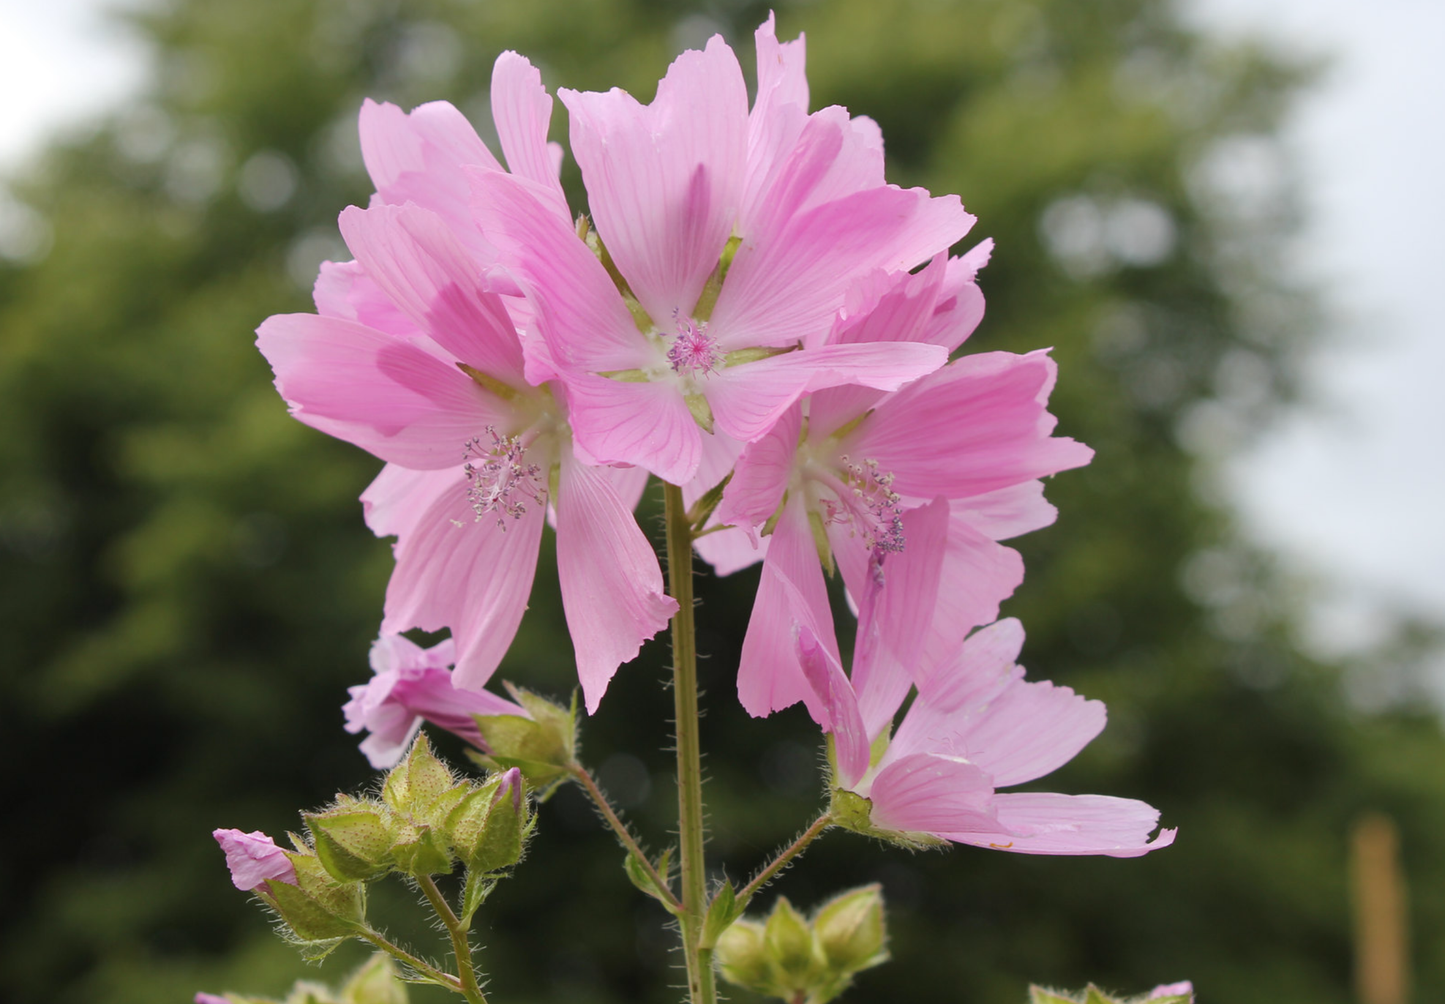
[{"x": 751, "y": 312}]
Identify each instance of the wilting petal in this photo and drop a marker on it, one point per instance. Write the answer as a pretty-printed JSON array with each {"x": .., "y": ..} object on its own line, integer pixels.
[
  {"x": 386, "y": 396},
  {"x": 579, "y": 311},
  {"x": 769, "y": 676},
  {"x": 665, "y": 181},
  {"x": 253, "y": 859},
  {"x": 644, "y": 424},
  {"x": 412, "y": 255},
  {"x": 455, "y": 571},
  {"x": 924, "y": 793},
  {"x": 1047, "y": 823},
  {"x": 522, "y": 111},
  {"x": 838, "y": 703},
  {"x": 975, "y": 426},
  {"x": 611, "y": 584}
]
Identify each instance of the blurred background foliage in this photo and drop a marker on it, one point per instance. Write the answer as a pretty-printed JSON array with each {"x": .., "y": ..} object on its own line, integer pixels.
[{"x": 188, "y": 588}]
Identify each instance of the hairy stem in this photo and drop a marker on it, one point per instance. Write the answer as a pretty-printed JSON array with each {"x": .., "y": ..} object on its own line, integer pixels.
[
  {"x": 402, "y": 955},
  {"x": 786, "y": 855},
  {"x": 461, "y": 947},
  {"x": 618, "y": 827},
  {"x": 700, "y": 983}
]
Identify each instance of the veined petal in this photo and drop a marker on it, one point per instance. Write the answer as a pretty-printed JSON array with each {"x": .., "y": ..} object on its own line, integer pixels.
[
  {"x": 923, "y": 793},
  {"x": 977, "y": 425},
  {"x": 645, "y": 424},
  {"x": 837, "y": 702},
  {"x": 455, "y": 571},
  {"x": 420, "y": 157},
  {"x": 344, "y": 290},
  {"x": 399, "y": 497},
  {"x": 1030, "y": 729},
  {"x": 665, "y": 181},
  {"x": 611, "y": 584},
  {"x": 761, "y": 475},
  {"x": 984, "y": 667},
  {"x": 386, "y": 396},
  {"x": 960, "y": 304},
  {"x": 579, "y": 311},
  {"x": 769, "y": 676},
  {"x": 977, "y": 575},
  {"x": 1007, "y": 512},
  {"x": 1048, "y": 823},
  {"x": 522, "y": 111},
  {"x": 729, "y": 551},
  {"x": 417, "y": 261}
]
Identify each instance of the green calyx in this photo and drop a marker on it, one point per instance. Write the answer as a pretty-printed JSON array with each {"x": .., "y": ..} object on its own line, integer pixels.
[
  {"x": 1093, "y": 995},
  {"x": 543, "y": 745}
]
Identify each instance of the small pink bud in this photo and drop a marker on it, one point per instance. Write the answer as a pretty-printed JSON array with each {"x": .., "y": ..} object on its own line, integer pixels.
[
  {"x": 511, "y": 782},
  {"x": 253, "y": 858},
  {"x": 1172, "y": 990}
]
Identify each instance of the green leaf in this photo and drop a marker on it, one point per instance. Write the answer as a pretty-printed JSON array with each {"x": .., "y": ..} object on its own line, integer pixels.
[
  {"x": 643, "y": 880},
  {"x": 721, "y": 912}
]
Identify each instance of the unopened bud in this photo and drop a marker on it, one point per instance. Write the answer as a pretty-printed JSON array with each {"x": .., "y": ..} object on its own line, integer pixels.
[
  {"x": 542, "y": 744},
  {"x": 414, "y": 785},
  {"x": 850, "y": 930},
  {"x": 317, "y": 907},
  {"x": 353, "y": 839},
  {"x": 253, "y": 858},
  {"x": 508, "y": 824},
  {"x": 420, "y": 850},
  {"x": 789, "y": 943},
  {"x": 742, "y": 957}
]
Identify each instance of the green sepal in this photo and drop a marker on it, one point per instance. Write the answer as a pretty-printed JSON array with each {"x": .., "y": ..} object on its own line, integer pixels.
[
  {"x": 489, "y": 383},
  {"x": 853, "y": 812},
  {"x": 850, "y": 930},
  {"x": 318, "y": 908},
  {"x": 820, "y": 540},
  {"x": 737, "y": 357},
  {"x": 1093, "y": 995},
  {"x": 703, "y": 507},
  {"x": 1040, "y": 995},
  {"x": 415, "y": 783},
  {"x": 741, "y": 957},
  {"x": 710, "y": 290},
  {"x": 542, "y": 746},
  {"x": 506, "y": 832},
  {"x": 353, "y": 841},
  {"x": 640, "y": 878},
  {"x": 721, "y": 912}
]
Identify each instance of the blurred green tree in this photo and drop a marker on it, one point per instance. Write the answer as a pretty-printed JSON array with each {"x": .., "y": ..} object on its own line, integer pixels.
[{"x": 187, "y": 587}]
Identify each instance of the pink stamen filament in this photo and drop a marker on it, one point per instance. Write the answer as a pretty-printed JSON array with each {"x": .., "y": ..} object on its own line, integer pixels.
[
  {"x": 499, "y": 480},
  {"x": 692, "y": 350}
]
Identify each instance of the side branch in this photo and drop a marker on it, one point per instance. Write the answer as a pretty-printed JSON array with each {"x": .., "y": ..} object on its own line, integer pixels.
[
  {"x": 623, "y": 834},
  {"x": 784, "y": 858}
]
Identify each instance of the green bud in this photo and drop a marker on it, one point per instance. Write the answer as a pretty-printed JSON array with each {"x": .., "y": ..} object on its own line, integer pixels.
[
  {"x": 353, "y": 839},
  {"x": 850, "y": 930},
  {"x": 377, "y": 982},
  {"x": 789, "y": 944},
  {"x": 742, "y": 958},
  {"x": 1093, "y": 995},
  {"x": 508, "y": 825},
  {"x": 420, "y": 850},
  {"x": 318, "y": 908},
  {"x": 543, "y": 746},
  {"x": 414, "y": 785}
]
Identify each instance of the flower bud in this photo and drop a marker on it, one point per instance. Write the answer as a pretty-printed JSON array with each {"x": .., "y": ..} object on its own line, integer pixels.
[
  {"x": 318, "y": 907},
  {"x": 508, "y": 824},
  {"x": 1169, "y": 993},
  {"x": 741, "y": 956},
  {"x": 543, "y": 743},
  {"x": 353, "y": 839},
  {"x": 413, "y": 786},
  {"x": 850, "y": 930},
  {"x": 253, "y": 858},
  {"x": 420, "y": 850},
  {"x": 789, "y": 944}
]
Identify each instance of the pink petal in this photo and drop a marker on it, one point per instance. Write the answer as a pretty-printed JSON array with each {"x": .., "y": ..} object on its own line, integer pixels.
[
  {"x": 611, "y": 584},
  {"x": 960, "y": 305},
  {"x": 415, "y": 259},
  {"x": 386, "y": 396},
  {"x": 781, "y": 79},
  {"x": 837, "y": 701},
  {"x": 761, "y": 475},
  {"x": 644, "y": 424},
  {"x": 1029, "y": 730},
  {"x": 777, "y": 119},
  {"x": 253, "y": 859},
  {"x": 1046, "y": 823},
  {"x": 923, "y": 793},
  {"x": 399, "y": 497},
  {"x": 975, "y": 426},
  {"x": 665, "y": 181},
  {"x": 522, "y": 112},
  {"x": 976, "y": 576},
  {"x": 420, "y": 157},
  {"x": 729, "y": 551},
  {"x": 769, "y": 676},
  {"x": 579, "y": 311},
  {"x": 960, "y": 690},
  {"x": 786, "y": 287},
  {"x": 1007, "y": 512},
  {"x": 344, "y": 290},
  {"x": 455, "y": 571}
]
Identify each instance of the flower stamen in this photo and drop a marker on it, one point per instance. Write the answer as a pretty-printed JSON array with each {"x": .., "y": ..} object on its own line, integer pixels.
[
  {"x": 692, "y": 350},
  {"x": 499, "y": 480}
]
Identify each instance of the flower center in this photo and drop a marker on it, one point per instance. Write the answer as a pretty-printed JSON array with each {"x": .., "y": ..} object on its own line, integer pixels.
[
  {"x": 499, "y": 479},
  {"x": 693, "y": 350},
  {"x": 867, "y": 501}
]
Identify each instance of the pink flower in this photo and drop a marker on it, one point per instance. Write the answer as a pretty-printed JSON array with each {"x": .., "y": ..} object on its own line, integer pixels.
[
  {"x": 1173, "y": 990},
  {"x": 205, "y": 998},
  {"x": 414, "y": 356},
  {"x": 254, "y": 858},
  {"x": 731, "y": 242},
  {"x": 975, "y": 726},
  {"x": 842, "y": 468},
  {"x": 412, "y": 685}
]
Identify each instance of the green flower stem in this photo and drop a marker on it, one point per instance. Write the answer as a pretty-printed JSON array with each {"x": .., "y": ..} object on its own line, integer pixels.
[
  {"x": 461, "y": 947},
  {"x": 785, "y": 856},
  {"x": 402, "y": 955},
  {"x": 701, "y": 985},
  {"x": 588, "y": 782}
]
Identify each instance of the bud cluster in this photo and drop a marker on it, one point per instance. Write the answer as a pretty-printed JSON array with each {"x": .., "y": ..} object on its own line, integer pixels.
[
  {"x": 801, "y": 960},
  {"x": 1171, "y": 993},
  {"x": 377, "y": 982}
]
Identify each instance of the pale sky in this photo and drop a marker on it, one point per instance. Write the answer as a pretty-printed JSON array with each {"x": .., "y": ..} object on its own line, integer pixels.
[{"x": 1347, "y": 489}]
